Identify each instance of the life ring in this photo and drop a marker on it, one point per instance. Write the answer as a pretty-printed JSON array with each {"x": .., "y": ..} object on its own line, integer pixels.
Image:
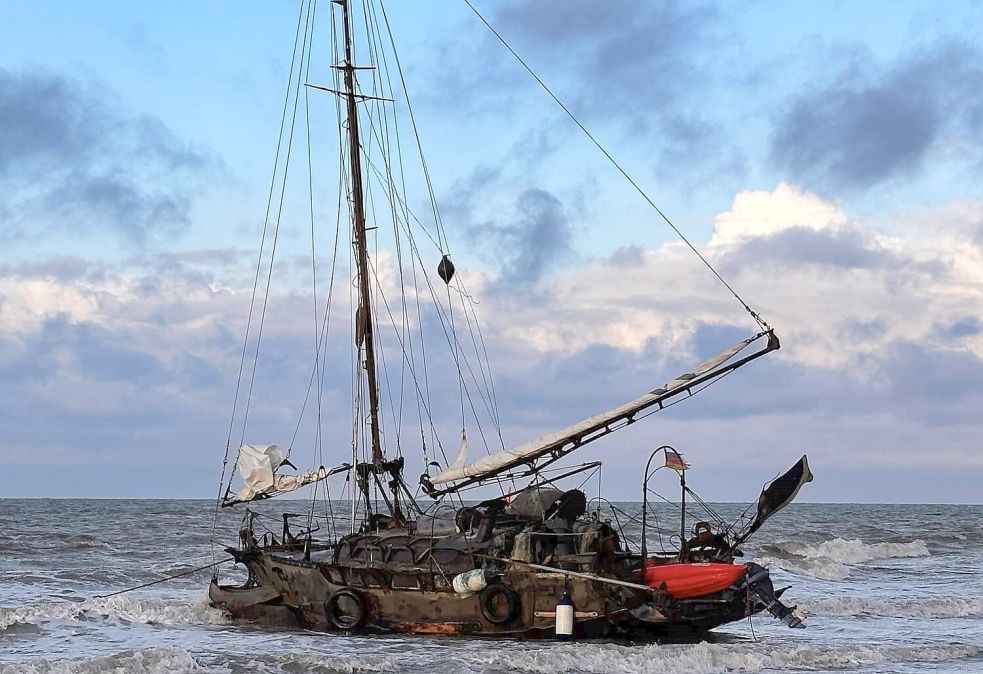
[
  {"x": 345, "y": 609},
  {"x": 492, "y": 599}
]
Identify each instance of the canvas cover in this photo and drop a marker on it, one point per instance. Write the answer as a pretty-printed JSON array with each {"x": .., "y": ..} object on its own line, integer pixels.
[
  {"x": 499, "y": 461},
  {"x": 258, "y": 467}
]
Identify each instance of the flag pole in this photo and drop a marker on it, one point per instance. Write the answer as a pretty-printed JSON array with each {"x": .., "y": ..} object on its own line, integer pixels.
[{"x": 682, "y": 515}]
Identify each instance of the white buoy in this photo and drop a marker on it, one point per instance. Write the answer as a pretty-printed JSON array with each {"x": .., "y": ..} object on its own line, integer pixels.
[{"x": 564, "y": 617}]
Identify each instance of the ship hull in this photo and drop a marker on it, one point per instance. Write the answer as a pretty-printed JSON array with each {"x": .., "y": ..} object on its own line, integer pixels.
[{"x": 289, "y": 589}]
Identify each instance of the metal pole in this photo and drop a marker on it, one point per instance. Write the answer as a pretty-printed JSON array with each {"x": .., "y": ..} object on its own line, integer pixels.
[
  {"x": 682, "y": 515},
  {"x": 645, "y": 508},
  {"x": 363, "y": 317}
]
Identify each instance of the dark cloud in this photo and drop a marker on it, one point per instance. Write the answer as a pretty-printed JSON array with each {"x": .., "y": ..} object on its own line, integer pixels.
[
  {"x": 536, "y": 237},
  {"x": 794, "y": 246},
  {"x": 621, "y": 49},
  {"x": 627, "y": 256},
  {"x": 65, "y": 268},
  {"x": 875, "y": 123},
  {"x": 74, "y": 160},
  {"x": 640, "y": 67},
  {"x": 969, "y": 326}
]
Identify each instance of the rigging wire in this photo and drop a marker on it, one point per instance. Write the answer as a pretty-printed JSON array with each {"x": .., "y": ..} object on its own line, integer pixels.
[
  {"x": 276, "y": 229},
  {"x": 757, "y": 318},
  {"x": 259, "y": 264}
]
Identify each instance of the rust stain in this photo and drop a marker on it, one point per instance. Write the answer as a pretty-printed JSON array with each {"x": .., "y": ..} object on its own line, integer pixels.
[{"x": 436, "y": 628}]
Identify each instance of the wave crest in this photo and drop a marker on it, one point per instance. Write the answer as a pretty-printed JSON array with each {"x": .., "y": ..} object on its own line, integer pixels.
[
  {"x": 707, "y": 658},
  {"x": 833, "y": 559},
  {"x": 143, "y": 661},
  {"x": 148, "y": 610},
  {"x": 932, "y": 607}
]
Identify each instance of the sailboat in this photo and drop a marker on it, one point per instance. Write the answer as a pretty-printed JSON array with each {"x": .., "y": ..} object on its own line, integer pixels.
[{"x": 535, "y": 559}]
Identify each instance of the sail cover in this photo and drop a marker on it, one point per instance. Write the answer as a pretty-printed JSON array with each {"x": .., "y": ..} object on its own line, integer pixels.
[
  {"x": 259, "y": 465},
  {"x": 593, "y": 427},
  {"x": 782, "y": 490}
]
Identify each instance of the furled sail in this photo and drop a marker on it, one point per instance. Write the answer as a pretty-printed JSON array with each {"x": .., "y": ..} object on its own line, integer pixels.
[
  {"x": 561, "y": 442},
  {"x": 258, "y": 467}
]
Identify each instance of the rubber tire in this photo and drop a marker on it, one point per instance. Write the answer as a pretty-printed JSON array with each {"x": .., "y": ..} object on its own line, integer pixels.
[
  {"x": 341, "y": 621},
  {"x": 486, "y": 600}
]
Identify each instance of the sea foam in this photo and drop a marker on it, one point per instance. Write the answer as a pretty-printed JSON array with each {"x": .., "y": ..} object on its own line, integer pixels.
[
  {"x": 833, "y": 559},
  {"x": 148, "y": 610},
  {"x": 929, "y": 607},
  {"x": 707, "y": 658},
  {"x": 161, "y": 660}
]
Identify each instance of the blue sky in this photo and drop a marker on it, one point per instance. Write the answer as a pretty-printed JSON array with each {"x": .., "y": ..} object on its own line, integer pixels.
[{"x": 826, "y": 156}]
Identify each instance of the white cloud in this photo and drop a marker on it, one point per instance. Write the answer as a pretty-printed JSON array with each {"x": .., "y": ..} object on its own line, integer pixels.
[
  {"x": 757, "y": 213},
  {"x": 836, "y": 289},
  {"x": 879, "y": 321}
]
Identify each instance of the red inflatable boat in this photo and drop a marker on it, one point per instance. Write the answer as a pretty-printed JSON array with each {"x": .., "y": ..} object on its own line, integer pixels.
[{"x": 693, "y": 580}]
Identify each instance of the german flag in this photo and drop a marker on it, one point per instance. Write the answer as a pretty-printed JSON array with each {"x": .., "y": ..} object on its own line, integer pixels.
[{"x": 674, "y": 460}]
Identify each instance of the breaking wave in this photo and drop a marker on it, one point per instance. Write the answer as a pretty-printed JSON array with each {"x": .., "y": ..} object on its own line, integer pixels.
[
  {"x": 143, "y": 661},
  {"x": 706, "y": 658},
  {"x": 933, "y": 607},
  {"x": 167, "y": 660},
  {"x": 151, "y": 611},
  {"x": 337, "y": 665},
  {"x": 831, "y": 560}
]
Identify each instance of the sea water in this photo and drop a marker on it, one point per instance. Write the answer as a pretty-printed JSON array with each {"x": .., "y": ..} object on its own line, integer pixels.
[{"x": 887, "y": 588}]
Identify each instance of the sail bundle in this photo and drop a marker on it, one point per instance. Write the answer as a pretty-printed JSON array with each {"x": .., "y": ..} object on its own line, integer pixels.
[
  {"x": 259, "y": 467},
  {"x": 591, "y": 428}
]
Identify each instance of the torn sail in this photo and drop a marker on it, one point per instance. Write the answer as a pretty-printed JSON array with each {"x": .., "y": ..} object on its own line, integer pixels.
[
  {"x": 778, "y": 494},
  {"x": 561, "y": 442},
  {"x": 258, "y": 467}
]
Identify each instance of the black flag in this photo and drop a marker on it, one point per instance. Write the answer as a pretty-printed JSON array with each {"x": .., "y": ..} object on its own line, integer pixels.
[{"x": 780, "y": 493}]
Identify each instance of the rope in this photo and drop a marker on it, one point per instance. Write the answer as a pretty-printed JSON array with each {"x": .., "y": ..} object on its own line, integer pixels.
[
  {"x": 162, "y": 580},
  {"x": 760, "y": 321},
  {"x": 259, "y": 264}
]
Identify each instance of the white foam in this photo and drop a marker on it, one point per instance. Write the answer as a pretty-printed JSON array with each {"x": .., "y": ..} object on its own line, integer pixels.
[
  {"x": 930, "y": 607},
  {"x": 833, "y": 559},
  {"x": 341, "y": 664},
  {"x": 143, "y": 661},
  {"x": 156, "y": 611},
  {"x": 823, "y": 569},
  {"x": 148, "y": 610},
  {"x": 855, "y": 551},
  {"x": 706, "y": 658}
]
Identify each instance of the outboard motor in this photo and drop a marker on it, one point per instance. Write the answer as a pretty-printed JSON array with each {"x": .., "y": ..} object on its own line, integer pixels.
[{"x": 759, "y": 586}]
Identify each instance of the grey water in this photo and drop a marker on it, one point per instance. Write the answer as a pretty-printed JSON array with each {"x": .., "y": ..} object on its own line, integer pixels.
[{"x": 888, "y": 588}]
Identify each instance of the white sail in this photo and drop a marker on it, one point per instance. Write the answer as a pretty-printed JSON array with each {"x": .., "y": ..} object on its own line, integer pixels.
[
  {"x": 587, "y": 429},
  {"x": 258, "y": 467}
]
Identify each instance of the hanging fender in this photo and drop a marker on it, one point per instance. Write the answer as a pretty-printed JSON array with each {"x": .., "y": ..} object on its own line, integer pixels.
[
  {"x": 491, "y": 600},
  {"x": 446, "y": 269},
  {"x": 345, "y": 609}
]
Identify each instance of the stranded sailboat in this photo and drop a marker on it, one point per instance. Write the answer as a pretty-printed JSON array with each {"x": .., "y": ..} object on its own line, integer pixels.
[{"x": 535, "y": 560}]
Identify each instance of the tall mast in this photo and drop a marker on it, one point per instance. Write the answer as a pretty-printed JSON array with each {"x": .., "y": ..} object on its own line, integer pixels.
[{"x": 363, "y": 317}]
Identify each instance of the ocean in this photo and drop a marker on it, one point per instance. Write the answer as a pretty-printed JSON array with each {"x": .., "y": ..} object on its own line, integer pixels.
[{"x": 887, "y": 588}]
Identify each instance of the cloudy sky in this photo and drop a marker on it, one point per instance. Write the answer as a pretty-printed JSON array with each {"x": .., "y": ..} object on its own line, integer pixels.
[{"x": 825, "y": 157}]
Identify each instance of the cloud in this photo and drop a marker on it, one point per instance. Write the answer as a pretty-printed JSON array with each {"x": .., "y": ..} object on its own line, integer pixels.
[
  {"x": 881, "y": 361},
  {"x": 623, "y": 49},
  {"x": 74, "y": 160},
  {"x": 639, "y": 68},
  {"x": 803, "y": 245},
  {"x": 875, "y": 122},
  {"x": 523, "y": 232},
  {"x": 537, "y": 237}
]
